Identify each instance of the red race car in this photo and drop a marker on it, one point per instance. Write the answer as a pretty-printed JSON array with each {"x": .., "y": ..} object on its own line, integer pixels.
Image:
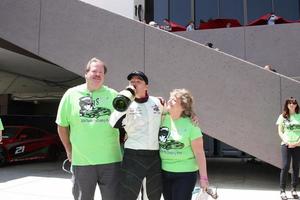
[{"x": 21, "y": 143}]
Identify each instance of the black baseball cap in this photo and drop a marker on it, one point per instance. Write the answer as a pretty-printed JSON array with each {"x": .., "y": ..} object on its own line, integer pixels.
[{"x": 138, "y": 73}]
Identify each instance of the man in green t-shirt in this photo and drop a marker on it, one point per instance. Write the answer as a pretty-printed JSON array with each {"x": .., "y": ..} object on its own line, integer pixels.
[{"x": 91, "y": 144}]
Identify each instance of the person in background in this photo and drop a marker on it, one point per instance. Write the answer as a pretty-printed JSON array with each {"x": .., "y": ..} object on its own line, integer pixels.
[
  {"x": 166, "y": 25},
  {"x": 141, "y": 122},
  {"x": 269, "y": 67},
  {"x": 181, "y": 148},
  {"x": 153, "y": 24},
  {"x": 272, "y": 19},
  {"x": 228, "y": 25},
  {"x": 1, "y": 129},
  {"x": 209, "y": 44},
  {"x": 190, "y": 26},
  {"x": 91, "y": 144},
  {"x": 289, "y": 131}
]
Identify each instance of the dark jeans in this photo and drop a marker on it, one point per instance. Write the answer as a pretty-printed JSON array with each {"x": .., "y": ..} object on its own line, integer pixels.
[
  {"x": 86, "y": 178},
  {"x": 178, "y": 185},
  {"x": 136, "y": 165},
  {"x": 287, "y": 155}
]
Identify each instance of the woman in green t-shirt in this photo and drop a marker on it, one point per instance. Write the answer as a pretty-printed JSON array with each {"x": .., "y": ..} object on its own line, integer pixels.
[
  {"x": 181, "y": 149},
  {"x": 289, "y": 132}
]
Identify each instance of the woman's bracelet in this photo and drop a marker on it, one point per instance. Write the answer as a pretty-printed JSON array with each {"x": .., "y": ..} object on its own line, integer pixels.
[{"x": 204, "y": 178}]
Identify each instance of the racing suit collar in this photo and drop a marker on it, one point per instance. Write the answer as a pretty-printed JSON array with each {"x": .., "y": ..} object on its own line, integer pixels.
[{"x": 142, "y": 100}]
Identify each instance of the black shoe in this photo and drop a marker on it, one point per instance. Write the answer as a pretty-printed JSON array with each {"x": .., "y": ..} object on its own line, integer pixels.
[
  {"x": 294, "y": 194},
  {"x": 283, "y": 195}
]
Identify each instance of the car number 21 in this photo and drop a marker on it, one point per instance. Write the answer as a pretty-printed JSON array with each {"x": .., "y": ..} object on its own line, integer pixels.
[{"x": 20, "y": 149}]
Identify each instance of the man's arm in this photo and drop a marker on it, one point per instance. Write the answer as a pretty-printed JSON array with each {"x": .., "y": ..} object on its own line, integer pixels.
[
  {"x": 116, "y": 119},
  {"x": 64, "y": 135}
]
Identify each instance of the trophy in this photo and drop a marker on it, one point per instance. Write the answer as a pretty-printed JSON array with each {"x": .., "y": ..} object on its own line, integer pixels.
[{"x": 122, "y": 101}]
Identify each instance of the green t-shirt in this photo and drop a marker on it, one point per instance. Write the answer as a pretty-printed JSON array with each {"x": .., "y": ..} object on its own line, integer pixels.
[
  {"x": 1, "y": 125},
  {"x": 291, "y": 127},
  {"x": 87, "y": 114},
  {"x": 175, "y": 137}
]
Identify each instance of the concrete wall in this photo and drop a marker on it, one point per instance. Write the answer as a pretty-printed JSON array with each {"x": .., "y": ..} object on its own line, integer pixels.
[
  {"x": 237, "y": 102},
  {"x": 276, "y": 45},
  {"x": 229, "y": 40},
  {"x": 72, "y": 32},
  {"x": 20, "y": 21}
]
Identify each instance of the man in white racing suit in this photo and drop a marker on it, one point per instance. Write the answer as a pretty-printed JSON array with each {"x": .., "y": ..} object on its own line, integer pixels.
[{"x": 141, "y": 122}]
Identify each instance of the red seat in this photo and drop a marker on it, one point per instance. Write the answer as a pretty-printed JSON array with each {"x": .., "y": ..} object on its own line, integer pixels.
[
  {"x": 219, "y": 23},
  {"x": 263, "y": 20},
  {"x": 174, "y": 26}
]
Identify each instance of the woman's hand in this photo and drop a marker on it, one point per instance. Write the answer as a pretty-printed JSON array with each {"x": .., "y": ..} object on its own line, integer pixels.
[
  {"x": 204, "y": 184},
  {"x": 292, "y": 145}
]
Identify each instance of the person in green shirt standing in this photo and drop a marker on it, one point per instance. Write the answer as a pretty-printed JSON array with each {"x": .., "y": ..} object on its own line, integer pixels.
[
  {"x": 289, "y": 131},
  {"x": 91, "y": 144},
  {"x": 181, "y": 148},
  {"x": 1, "y": 129}
]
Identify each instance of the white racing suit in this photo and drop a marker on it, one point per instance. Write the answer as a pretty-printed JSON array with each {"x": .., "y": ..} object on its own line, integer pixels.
[{"x": 141, "y": 122}]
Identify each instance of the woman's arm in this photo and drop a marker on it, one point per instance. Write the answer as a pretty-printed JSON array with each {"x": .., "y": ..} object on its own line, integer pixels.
[
  {"x": 197, "y": 146},
  {"x": 284, "y": 138},
  {"x": 281, "y": 134}
]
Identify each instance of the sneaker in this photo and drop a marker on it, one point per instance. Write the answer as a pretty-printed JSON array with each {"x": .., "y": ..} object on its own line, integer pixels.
[
  {"x": 294, "y": 194},
  {"x": 283, "y": 195}
]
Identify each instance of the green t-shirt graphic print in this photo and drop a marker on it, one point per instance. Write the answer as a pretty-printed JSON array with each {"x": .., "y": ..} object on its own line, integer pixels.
[{"x": 291, "y": 127}]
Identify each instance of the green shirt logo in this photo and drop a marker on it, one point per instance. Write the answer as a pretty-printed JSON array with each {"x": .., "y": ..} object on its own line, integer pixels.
[
  {"x": 88, "y": 109},
  {"x": 165, "y": 142}
]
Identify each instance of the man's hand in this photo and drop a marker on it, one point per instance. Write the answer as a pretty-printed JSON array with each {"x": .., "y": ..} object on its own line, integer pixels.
[
  {"x": 195, "y": 120},
  {"x": 69, "y": 156}
]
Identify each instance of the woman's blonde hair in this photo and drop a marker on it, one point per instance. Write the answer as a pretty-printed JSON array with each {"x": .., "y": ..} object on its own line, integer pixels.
[{"x": 186, "y": 99}]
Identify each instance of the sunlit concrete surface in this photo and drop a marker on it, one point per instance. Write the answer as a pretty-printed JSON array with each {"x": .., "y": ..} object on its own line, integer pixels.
[
  {"x": 235, "y": 179},
  {"x": 35, "y": 181}
]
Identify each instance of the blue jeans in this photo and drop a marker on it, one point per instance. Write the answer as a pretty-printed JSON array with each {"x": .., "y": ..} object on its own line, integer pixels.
[
  {"x": 178, "y": 185},
  {"x": 287, "y": 155}
]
